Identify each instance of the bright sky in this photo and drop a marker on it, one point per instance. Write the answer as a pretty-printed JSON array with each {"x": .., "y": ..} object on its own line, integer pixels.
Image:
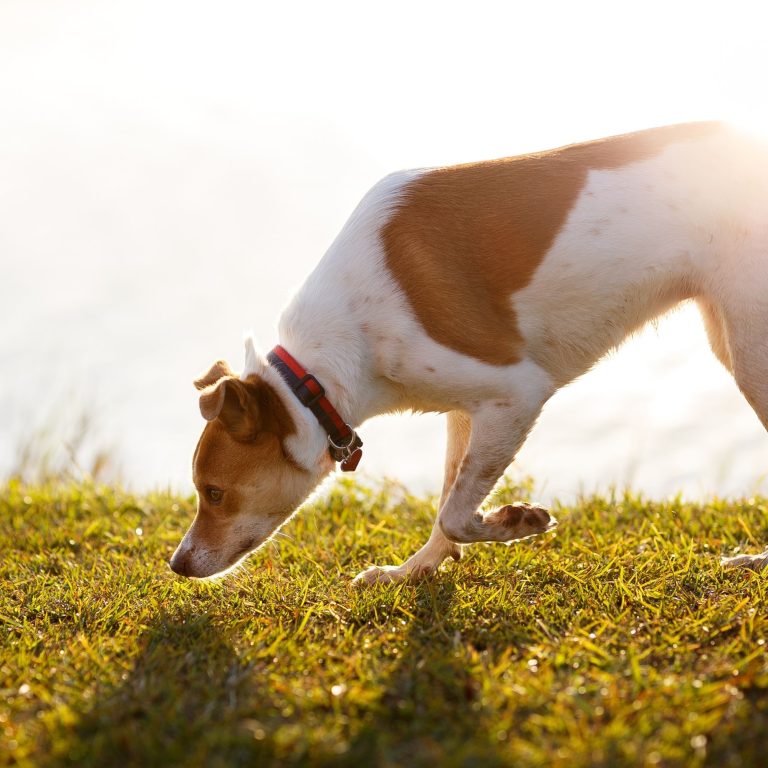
[
  {"x": 171, "y": 170},
  {"x": 400, "y": 81}
]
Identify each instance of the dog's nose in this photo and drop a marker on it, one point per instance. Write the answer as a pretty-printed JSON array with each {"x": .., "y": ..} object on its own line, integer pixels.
[{"x": 179, "y": 565}]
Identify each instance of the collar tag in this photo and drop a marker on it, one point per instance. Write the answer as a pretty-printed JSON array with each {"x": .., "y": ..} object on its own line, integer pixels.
[
  {"x": 348, "y": 454},
  {"x": 350, "y": 464}
]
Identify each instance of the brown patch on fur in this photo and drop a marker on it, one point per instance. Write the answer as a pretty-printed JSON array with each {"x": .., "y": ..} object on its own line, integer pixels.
[
  {"x": 211, "y": 528},
  {"x": 465, "y": 238},
  {"x": 221, "y": 461},
  {"x": 246, "y": 408}
]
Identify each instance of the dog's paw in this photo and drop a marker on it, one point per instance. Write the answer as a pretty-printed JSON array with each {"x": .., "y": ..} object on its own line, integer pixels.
[
  {"x": 392, "y": 574},
  {"x": 753, "y": 562},
  {"x": 518, "y": 521}
]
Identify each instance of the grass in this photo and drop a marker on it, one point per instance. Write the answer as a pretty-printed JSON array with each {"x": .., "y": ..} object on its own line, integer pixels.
[{"x": 617, "y": 641}]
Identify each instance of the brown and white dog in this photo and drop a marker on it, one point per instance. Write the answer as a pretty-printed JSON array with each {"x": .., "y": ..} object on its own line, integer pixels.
[{"x": 478, "y": 291}]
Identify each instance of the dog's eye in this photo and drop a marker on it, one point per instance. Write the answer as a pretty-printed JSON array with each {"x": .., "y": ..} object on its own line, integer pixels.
[{"x": 214, "y": 495}]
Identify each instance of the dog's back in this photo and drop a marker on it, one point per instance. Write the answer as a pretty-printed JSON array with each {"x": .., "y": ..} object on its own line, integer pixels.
[{"x": 552, "y": 257}]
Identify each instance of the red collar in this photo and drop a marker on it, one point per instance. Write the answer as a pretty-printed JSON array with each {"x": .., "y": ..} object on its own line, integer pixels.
[{"x": 344, "y": 444}]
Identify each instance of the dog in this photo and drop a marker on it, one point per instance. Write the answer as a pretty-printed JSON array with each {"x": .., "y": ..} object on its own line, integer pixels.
[{"x": 478, "y": 291}]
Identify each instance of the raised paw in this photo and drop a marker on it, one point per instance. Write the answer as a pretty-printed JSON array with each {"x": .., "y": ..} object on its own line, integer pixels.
[
  {"x": 518, "y": 521},
  {"x": 392, "y": 574},
  {"x": 753, "y": 562}
]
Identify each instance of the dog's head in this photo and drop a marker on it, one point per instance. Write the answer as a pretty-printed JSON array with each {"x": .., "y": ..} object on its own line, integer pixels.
[{"x": 247, "y": 481}]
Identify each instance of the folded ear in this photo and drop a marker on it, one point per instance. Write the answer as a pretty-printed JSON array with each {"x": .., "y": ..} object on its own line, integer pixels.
[
  {"x": 246, "y": 408},
  {"x": 218, "y": 370}
]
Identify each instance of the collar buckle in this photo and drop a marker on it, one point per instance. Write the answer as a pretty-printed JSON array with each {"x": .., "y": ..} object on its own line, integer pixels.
[{"x": 305, "y": 395}]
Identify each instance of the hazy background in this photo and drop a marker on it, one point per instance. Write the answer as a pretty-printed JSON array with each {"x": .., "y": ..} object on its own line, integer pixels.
[{"x": 171, "y": 171}]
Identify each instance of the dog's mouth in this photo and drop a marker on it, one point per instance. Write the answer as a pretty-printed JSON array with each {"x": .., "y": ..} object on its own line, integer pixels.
[
  {"x": 248, "y": 546},
  {"x": 208, "y": 569},
  {"x": 245, "y": 549}
]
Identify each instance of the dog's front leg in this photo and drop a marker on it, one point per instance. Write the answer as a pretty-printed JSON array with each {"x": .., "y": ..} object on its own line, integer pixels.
[
  {"x": 479, "y": 450},
  {"x": 438, "y": 547},
  {"x": 498, "y": 430},
  {"x": 417, "y": 566}
]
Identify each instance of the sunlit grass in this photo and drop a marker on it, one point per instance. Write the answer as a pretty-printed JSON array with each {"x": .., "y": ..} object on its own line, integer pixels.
[{"x": 616, "y": 641}]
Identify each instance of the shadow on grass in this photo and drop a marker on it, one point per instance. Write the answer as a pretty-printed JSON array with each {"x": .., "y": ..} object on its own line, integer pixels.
[
  {"x": 432, "y": 711},
  {"x": 192, "y": 699},
  {"x": 166, "y": 711}
]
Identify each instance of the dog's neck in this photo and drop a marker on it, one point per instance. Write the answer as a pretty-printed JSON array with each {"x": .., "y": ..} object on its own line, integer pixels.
[
  {"x": 340, "y": 379},
  {"x": 324, "y": 327},
  {"x": 336, "y": 364}
]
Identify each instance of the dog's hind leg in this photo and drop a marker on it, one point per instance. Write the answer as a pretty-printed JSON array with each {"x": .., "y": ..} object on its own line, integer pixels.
[
  {"x": 746, "y": 332},
  {"x": 438, "y": 547}
]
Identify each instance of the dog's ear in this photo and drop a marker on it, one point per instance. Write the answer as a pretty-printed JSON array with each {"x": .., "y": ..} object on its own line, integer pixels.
[
  {"x": 234, "y": 403},
  {"x": 246, "y": 408},
  {"x": 255, "y": 362},
  {"x": 217, "y": 371}
]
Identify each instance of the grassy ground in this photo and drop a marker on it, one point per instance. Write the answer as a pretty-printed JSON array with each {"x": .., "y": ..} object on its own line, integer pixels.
[{"x": 616, "y": 641}]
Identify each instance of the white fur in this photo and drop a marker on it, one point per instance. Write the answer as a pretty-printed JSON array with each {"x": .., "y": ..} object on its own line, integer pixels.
[
  {"x": 255, "y": 363},
  {"x": 623, "y": 259},
  {"x": 619, "y": 261}
]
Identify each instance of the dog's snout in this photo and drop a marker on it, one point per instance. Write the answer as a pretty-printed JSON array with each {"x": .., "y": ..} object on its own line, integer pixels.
[{"x": 179, "y": 565}]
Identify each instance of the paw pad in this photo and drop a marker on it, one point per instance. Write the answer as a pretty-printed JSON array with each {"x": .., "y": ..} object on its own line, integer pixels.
[{"x": 522, "y": 514}]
